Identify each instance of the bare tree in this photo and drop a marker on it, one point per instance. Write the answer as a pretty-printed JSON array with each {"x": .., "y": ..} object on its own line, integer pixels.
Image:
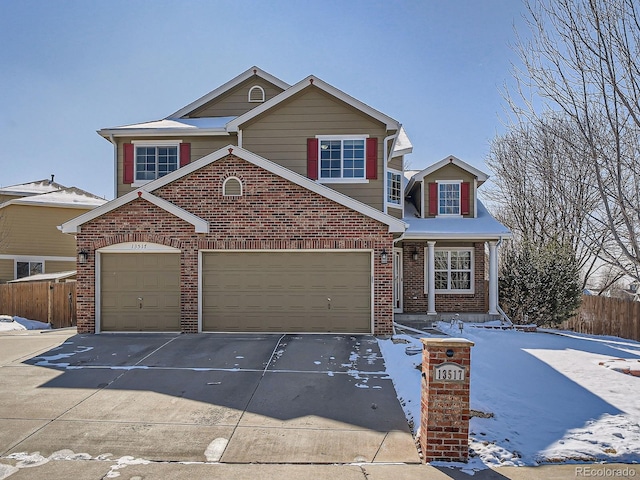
[
  {"x": 582, "y": 62},
  {"x": 543, "y": 190}
]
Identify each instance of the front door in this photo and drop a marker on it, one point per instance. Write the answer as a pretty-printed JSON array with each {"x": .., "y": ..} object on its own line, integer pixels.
[{"x": 397, "y": 280}]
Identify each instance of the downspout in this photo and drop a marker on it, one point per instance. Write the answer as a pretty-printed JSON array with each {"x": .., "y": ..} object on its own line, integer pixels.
[{"x": 115, "y": 165}]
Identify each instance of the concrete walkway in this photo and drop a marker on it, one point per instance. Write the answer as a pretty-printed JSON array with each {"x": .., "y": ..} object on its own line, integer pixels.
[{"x": 168, "y": 406}]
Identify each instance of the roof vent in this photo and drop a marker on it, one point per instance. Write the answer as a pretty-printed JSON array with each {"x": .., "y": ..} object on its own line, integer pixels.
[
  {"x": 256, "y": 94},
  {"x": 51, "y": 181}
]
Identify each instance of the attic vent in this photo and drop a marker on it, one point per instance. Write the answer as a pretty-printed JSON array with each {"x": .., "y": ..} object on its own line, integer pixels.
[
  {"x": 232, "y": 187},
  {"x": 256, "y": 94}
]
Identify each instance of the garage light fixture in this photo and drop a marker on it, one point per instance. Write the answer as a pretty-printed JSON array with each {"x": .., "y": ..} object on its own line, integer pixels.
[
  {"x": 384, "y": 256},
  {"x": 83, "y": 256},
  {"x": 415, "y": 253}
]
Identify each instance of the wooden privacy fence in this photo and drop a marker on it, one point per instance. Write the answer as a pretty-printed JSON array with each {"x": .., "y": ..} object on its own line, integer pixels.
[
  {"x": 606, "y": 316},
  {"x": 47, "y": 302}
]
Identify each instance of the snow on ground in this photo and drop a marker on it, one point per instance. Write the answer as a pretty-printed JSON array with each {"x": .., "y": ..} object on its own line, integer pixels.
[
  {"x": 554, "y": 397},
  {"x": 8, "y": 324}
]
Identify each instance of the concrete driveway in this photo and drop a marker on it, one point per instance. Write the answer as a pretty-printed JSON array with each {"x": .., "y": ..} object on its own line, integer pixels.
[{"x": 200, "y": 398}]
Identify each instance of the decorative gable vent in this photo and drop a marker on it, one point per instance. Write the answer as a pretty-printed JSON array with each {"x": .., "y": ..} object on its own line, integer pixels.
[
  {"x": 256, "y": 94},
  {"x": 232, "y": 187}
]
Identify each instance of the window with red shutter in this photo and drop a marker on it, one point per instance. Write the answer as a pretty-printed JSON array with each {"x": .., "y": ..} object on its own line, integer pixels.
[
  {"x": 433, "y": 199},
  {"x": 312, "y": 158}
]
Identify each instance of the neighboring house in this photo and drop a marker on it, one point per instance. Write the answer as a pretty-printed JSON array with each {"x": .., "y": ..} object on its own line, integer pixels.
[
  {"x": 30, "y": 241},
  {"x": 260, "y": 207}
]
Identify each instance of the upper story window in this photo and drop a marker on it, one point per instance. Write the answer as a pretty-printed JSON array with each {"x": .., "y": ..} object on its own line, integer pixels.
[
  {"x": 449, "y": 198},
  {"x": 155, "y": 161},
  {"x": 394, "y": 187},
  {"x": 342, "y": 158},
  {"x": 256, "y": 94},
  {"x": 147, "y": 160}
]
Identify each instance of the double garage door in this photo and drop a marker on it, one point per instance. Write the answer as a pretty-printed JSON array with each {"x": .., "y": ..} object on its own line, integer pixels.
[{"x": 241, "y": 292}]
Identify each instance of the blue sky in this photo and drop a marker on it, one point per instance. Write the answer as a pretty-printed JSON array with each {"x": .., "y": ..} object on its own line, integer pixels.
[{"x": 71, "y": 67}]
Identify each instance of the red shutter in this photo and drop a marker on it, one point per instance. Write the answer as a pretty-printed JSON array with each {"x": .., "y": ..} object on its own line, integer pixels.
[
  {"x": 312, "y": 158},
  {"x": 372, "y": 158},
  {"x": 185, "y": 154},
  {"x": 127, "y": 170},
  {"x": 433, "y": 199},
  {"x": 465, "y": 198}
]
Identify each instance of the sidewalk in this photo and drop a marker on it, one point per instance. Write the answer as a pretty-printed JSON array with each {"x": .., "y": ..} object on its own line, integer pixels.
[{"x": 99, "y": 470}]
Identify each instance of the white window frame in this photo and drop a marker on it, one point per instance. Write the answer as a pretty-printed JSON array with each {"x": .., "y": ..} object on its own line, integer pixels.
[
  {"x": 450, "y": 182},
  {"x": 256, "y": 87},
  {"x": 150, "y": 143},
  {"x": 28, "y": 260},
  {"x": 388, "y": 202},
  {"x": 469, "y": 291},
  {"x": 342, "y": 179},
  {"x": 224, "y": 185}
]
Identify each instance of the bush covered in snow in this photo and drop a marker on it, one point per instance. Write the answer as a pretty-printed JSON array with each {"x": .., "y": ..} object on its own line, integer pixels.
[{"x": 539, "y": 283}]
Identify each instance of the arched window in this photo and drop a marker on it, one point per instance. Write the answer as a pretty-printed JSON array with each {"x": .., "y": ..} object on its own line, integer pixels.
[
  {"x": 256, "y": 94},
  {"x": 232, "y": 187}
]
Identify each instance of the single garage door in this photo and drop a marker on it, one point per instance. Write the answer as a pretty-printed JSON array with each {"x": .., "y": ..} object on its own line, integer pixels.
[
  {"x": 140, "y": 292},
  {"x": 286, "y": 292}
]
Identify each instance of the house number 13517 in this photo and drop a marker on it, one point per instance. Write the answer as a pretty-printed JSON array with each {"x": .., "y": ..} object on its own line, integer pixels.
[{"x": 448, "y": 372}]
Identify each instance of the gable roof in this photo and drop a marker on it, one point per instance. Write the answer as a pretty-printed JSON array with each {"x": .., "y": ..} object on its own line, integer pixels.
[
  {"x": 480, "y": 175},
  {"x": 228, "y": 86},
  {"x": 395, "y": 225},
  {"x": 390, "y": 123},
  {"x": 32, "y": 188}
]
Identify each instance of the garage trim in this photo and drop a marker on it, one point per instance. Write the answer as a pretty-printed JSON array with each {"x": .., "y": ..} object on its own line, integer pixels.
[
  {"x": 126, "y": 247},
  {"x": 200, "y": 280}
]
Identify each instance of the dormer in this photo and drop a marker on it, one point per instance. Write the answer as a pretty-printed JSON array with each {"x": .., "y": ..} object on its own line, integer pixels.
[{"x": 446, "y": 189}]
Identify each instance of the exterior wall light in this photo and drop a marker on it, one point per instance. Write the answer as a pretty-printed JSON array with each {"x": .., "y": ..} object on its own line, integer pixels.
[
  {"x": 415, "y": 254},
  {"x": 83, "y": 256},
  {"x": 384, "y": 257}
]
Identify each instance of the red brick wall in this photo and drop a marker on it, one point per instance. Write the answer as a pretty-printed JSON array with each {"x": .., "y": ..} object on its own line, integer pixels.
[
  {"x": 272, "y": 213},
  {"x": 415, "y": 299}
]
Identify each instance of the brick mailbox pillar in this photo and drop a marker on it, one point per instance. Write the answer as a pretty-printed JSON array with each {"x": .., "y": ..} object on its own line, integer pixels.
[{"x": 444, "y": 416}]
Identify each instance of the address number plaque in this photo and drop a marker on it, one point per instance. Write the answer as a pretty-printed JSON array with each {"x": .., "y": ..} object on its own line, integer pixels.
[{"x": 449, "y": 372}]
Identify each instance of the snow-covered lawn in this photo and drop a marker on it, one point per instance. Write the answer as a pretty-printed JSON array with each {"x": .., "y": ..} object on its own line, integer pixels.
[
  {"x": 554, "y": 397},
  {"x": 9, "y": 324}
]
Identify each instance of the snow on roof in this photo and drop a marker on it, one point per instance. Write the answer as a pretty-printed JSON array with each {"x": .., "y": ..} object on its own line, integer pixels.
[
  {"x": 68, "y": 197},
  {"x": 403, "y": 144},
  {"x": 482, "y": 227},
  {"x": 32, "y": 188},
  {"x": 204, "y": 123},
  {"x": 46, "y": 277}
]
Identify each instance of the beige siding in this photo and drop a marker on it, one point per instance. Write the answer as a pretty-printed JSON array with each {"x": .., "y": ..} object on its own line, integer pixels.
[
  {"x": 281, "y": 136},
  {"x": 6, "y": 198},
  {"x": 396, "y": 163},
  {"x": 200, "y": 147},
  {"x": 6, "y": 270},
  {"x": 450, "y": 172},
  {"x": 395, "y": 212},
  {"x": 235, "y": 102},
  {"x": 54, "y": 267},
  {"x": 32, "y": 231}
]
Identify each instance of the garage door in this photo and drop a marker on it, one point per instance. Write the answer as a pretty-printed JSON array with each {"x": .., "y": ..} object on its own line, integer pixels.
[
  {"x": 286, "y": 292},
  {"x": 140, "y": 292}
]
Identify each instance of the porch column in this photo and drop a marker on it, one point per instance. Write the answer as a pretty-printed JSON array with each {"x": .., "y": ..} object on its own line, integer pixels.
[
  {"x": 431, "y": 278},
  {"x": 493, "y": 278}
]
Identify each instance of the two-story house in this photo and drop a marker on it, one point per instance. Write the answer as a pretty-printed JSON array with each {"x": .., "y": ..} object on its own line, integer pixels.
[
  {"x": 30, "y": 242},
  {"x": 260, "y": 207}
]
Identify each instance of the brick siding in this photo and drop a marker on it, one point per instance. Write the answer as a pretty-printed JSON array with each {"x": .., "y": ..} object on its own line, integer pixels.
[{"x": 273, "y": 213}]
